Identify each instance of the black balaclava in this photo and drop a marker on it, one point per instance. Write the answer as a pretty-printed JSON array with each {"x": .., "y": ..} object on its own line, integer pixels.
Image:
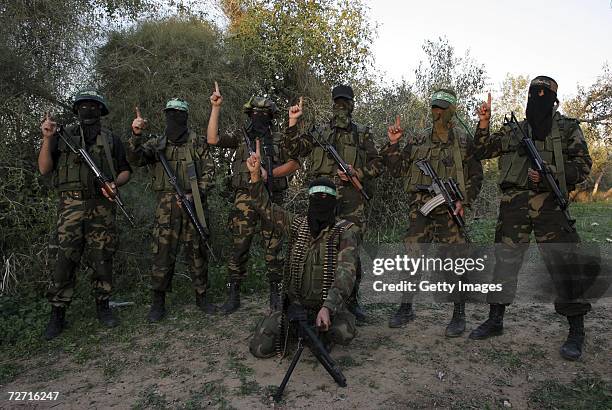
[
  {"x": 321, "y": 205},
  {"x": 89, "y": 117},
  {"x": 342, "y": 110},
  {"x": 539, "y": 111},
  {"x": 176, "y": 126},
  {"x": 260, "y": 124}
]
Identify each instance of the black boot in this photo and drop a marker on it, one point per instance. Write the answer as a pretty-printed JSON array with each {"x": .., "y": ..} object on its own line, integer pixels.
[
  {"x": 572, "y": 348},
  {"x": 456, "y": 327},
  {"x": 158, "y": 307},
  {"x": 493, "y": 326},
  {"x": 275, "y": 299},
  {"x": 358, "y": 312},
  {"x": 233, "y": 298},
  {"x": 105, "y": 314},
  {"x": 403, "y": 315},
  {"x": 204, "y": 305},
  {"x": 56, "y": 323}
]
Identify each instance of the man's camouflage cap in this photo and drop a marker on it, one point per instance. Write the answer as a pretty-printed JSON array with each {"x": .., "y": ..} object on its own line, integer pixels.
[
  {"x": 546, "y": 82},
  {"x": 90, "y": 94},
  {"x": 177, "y": 104},
  {"x": 260, "y": 104},
  {"x": 343, "y": 91},
  {"x": 443, "y": 98}
]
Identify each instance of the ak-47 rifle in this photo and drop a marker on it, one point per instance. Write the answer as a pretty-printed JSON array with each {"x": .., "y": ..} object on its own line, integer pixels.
[
  {"x": 344, "y": 167},
  {"x": 445, "y": 192},
  {"x": 185, "y": 202},
  {"x": 306, "y": 336},
  {"x": 539, "y": 165},
  {"x": 102, "y": 180}
]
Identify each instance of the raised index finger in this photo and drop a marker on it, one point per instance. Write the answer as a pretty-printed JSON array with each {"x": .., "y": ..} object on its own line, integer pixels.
[
  {"x": 489, "y": 99},
  {"x": 258, "y": 148},
  {"x": 138, "y": 115},
  {"x": 216, "y": 87},
  {"x": 301, "y": 103},
  {"x": 397, "y": 121}
]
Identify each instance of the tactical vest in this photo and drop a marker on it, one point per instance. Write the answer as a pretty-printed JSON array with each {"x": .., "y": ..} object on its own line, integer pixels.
[
  {"x": 447, "y": 159},
  {"x": 349, "y": 145},
  {"x": 191, "y": 159},
  {"x": 514, "y": 161},
  {"x": 72, "y": 173},
  {"x": 241, "y": 174}
]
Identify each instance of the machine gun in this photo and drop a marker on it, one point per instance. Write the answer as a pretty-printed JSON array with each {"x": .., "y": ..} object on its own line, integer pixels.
[
  {"x": 539, "y": 165},
  {"x": 445, "y": 192},
  {"x": 101, "y": 179},
  {"x": 306, "y": 336},
  {"x": 344, "y": 167}
]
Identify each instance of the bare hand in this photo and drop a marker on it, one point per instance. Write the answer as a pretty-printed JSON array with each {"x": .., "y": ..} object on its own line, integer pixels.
[
  {"x": 295, "y": 112},
  {"x": 534, "y": 176},
  {"x": 108, "y": 196},
  {"x": 216, "y": 99},
  {"x": 323, "y": 321},
  {"x": 254, "y": 163},
  {"x": 139, "y": 123},
  {"x": 459, "y": 210},
  {"x": 48, "y": 126},
  {"x": 395, "y": 131},
  {"x": 484, "y": 112},
  {"x": 343, "y": 176}
]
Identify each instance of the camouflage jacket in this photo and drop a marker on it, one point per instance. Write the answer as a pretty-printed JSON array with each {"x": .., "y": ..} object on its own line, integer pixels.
[
  {"x": 443, "y": 157},
  {"x": 347, "y": 253},
  {"x": 571, "y": 169},
  {"x": 354, "y": 146}
]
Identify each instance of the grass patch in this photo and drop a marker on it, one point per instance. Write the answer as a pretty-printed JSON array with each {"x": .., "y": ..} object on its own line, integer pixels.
[
  {"x": 151, "y": 398},
  {"x": 583, "y": 393},
  {"x": 8, "y": 372},
  {"x": 506, "y": 359}
]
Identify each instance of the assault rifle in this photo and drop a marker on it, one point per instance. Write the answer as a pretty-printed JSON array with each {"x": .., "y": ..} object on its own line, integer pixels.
[
  {"x": 185, "y": 202},
  {"x": 344, "y": 167},
  {"x": 445, "y": 192},
  {"x": 306, "y": 335},
  {"x": 101, "y": 179},
  {"x": 539, "y": 165}
]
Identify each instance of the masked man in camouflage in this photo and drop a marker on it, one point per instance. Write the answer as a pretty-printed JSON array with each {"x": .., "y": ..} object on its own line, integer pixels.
[
  {"x": 450, "y": 151},
  {"x": 320, "y": 270},
  {"x": 86, "y": 216},
  {"x": 189, "y": 157},
  {"x": 355, "y": 146},
  {"x": 243, "y": 217},
  {"x": 527, "y": 203}
]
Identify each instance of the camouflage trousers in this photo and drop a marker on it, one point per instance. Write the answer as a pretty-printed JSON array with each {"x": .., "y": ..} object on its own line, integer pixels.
[
  {"x": 265, "y": 339},
  {"x": 83, "y": 226},
  {"x": 351, "y": 206},
  {"x": 520, "y": 213},
  {"x": 437, "y": 227},
  {"x": 243, "y": 221},
  {"x": 172, "y": 227}
]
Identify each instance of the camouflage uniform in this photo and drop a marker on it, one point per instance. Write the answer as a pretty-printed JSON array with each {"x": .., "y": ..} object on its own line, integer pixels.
[
  {"x": 243, "y": 218},
  {"x": 524, "y": 206},
  {"x": 451, "y": 157},
  {"x": 86, "y": 219},
  {"x": 307, "y": 281},
  {"x": 172, "y": 225}
]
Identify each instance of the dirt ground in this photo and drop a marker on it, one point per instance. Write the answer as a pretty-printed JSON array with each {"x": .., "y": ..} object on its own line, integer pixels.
[{"x": 191, "y": 361}]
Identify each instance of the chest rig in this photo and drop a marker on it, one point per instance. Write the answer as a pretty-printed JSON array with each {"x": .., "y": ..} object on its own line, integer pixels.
[
  {"x": 321, "y": 275},
  {"x": 348, "y": 143},
  {"x": 72, "y": 173}
]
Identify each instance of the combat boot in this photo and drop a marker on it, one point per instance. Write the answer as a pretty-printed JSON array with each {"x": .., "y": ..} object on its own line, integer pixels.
[
  {"x": 358, "y": 312},
  {"x": 572, "y": 348},
  {"x": 233, "y": 298},
  {"x": 158, "y": 306},
  {"x": 203, "y": 304},
  {"x": 456, "y": 327},
  {"x": 105, "y": 314},
  {"x": 493, "y": 326},
  {"x": 403, "y": 315},
  {"x": 275, "y": 298},
  {"x": 56, "y": 323}
]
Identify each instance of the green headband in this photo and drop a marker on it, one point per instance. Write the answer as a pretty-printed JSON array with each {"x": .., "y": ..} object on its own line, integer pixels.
[
  {"x": 322, "y": 189},
  {"x": 444, "y": 96}
]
